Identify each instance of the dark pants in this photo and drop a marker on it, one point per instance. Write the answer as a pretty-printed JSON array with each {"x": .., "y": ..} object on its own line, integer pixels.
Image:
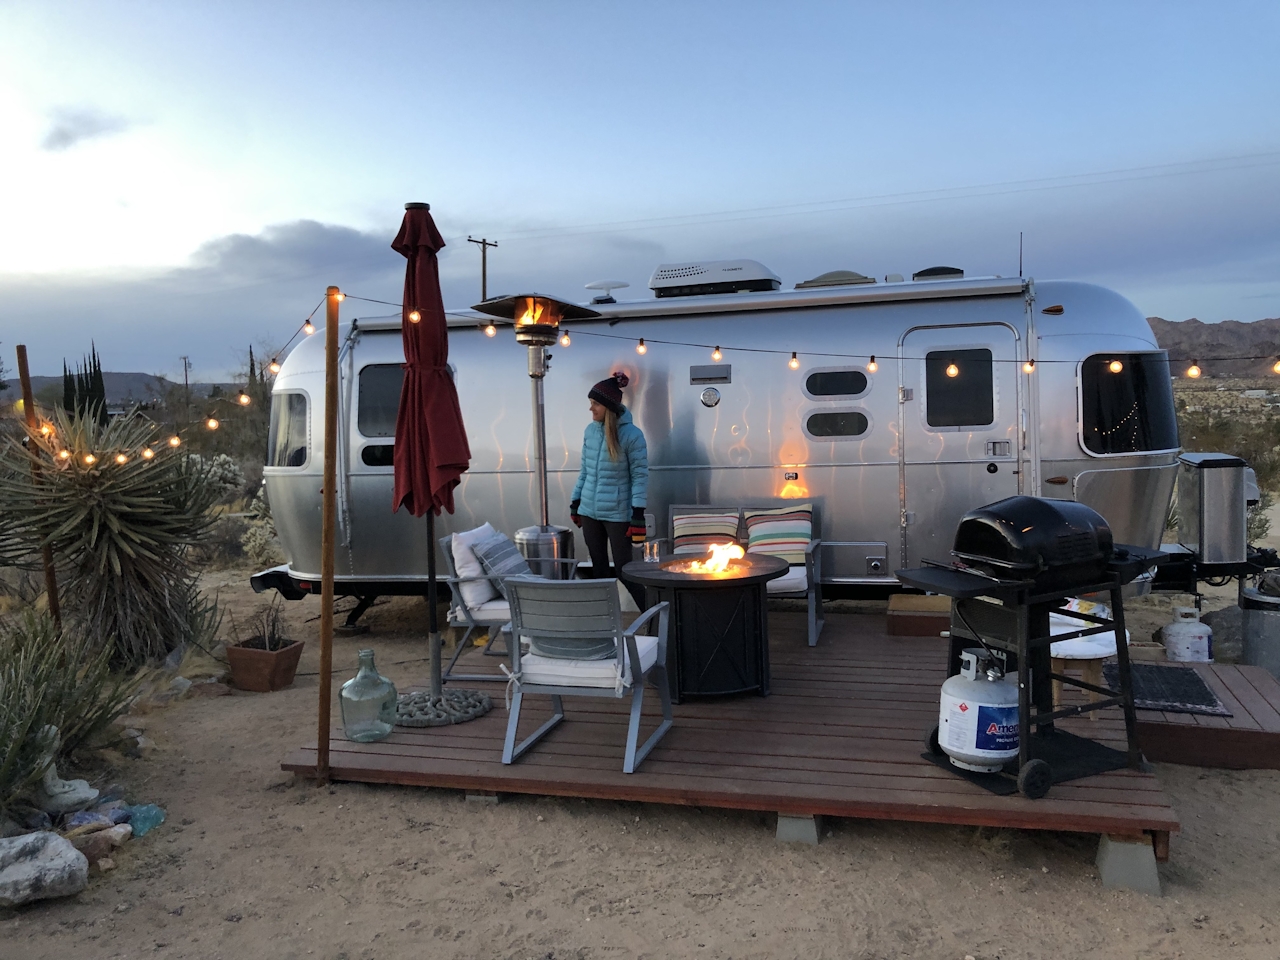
[{"x": 601, "y": 535}]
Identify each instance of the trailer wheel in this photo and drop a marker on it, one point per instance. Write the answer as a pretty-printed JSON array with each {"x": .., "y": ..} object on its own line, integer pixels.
[
  {"x": 931, "y": 742},
  {"x": 1034, "y": 779}
]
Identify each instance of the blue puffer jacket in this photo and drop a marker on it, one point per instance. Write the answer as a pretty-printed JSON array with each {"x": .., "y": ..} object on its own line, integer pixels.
[{"x": 609, "y": 489}]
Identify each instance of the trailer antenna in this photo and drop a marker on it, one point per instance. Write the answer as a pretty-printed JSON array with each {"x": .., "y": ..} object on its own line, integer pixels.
[
  {"x": 484, "y": 246},
  {"x": 1019, "y": 254}
]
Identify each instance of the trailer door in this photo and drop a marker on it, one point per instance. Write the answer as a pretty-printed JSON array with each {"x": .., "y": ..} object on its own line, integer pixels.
[{"x": 958, "y": 417}]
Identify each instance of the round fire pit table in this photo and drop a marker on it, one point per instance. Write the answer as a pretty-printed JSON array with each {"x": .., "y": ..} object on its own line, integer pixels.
[{"x": 718, "y": 641}]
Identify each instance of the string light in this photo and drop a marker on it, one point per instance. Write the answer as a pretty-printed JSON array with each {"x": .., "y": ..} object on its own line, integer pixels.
[
  {"x": 211, "y": 424},
  {"x": 872, "y": 367},
  {"x": 339, "y": 297},
  {"x": 490, "y": 330},
  {"x": 148, "y": 453},
  {"x": 1194, "y": 371},
  {"x": 1029, "y": 367},
  {"x": 794, "y": 362},
  {"x": 90, "y": 459},
  {"x": 1276, "y": 366},
  {"x": 564, "y": 339},
  {"x": 414, "y": 316},
  {"x": 122, "y": 458},
  {"x": 1115, "y": 366},
  {"x": 641, "y": 348},
  {"x": 274, "y": 367},
  {"x": 308, "y": 328},
  {"x": 47, "y": 431},
  {"x": 64, "y": 455},
  {"x": 952, "y": 369},
  {"x": 244, "y": 399},
  {"x": 716, "y": 355},
  {"x": 175, "y": 441}
]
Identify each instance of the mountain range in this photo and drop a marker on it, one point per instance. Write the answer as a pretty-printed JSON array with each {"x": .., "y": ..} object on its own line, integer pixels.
[{"x": 1190, "y": 340}]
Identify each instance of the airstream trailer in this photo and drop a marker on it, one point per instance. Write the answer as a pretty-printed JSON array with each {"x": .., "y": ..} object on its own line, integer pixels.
[{"x": 980, "y": 388}]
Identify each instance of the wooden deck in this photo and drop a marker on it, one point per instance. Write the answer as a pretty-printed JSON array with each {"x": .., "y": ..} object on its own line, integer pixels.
[
  {"x": 1247, "y": 740},
  {"x": 840, "y": 736}
]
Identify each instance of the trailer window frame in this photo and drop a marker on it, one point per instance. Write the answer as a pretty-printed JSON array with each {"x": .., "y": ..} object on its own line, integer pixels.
[
  {"x": 824, "y": 411},
  {"x": 1127, "y": 357},
  {"x": 376, "y": 406},
  {"x": 273, "y": 426},
  {"x": 936, "y": 383},
  {"x": 868, "y": 381}
]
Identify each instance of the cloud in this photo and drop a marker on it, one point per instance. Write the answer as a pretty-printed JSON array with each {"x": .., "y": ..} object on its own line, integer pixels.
[{"x": 73, "y": 125}]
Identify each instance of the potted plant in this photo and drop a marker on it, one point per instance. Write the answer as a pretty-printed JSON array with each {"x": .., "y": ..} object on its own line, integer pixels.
[{"x": 267, "y": 659}]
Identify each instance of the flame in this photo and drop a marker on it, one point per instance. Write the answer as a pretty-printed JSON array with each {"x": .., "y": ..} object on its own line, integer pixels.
[
  {"x": 718, "y": 561},
  {"x": 532, "y": 311},
  {"x": 793, "y": 491}
]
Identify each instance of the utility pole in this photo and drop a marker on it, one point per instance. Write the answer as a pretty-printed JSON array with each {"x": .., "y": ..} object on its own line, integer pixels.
[
  {"x": 186, "y": 386},
  {"x": 484, "y": 246}
]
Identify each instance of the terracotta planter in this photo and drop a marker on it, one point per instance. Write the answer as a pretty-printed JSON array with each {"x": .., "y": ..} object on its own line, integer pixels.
[{"x": 261, "y": 670}]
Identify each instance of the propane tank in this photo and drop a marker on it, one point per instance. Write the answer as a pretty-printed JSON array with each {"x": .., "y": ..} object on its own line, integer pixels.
[
  {"x": 1187, "y": 640},
  {"x": 978, "y": 717}
]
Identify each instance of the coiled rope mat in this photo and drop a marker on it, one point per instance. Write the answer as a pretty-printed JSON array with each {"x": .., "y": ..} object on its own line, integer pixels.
[{"x": 455, "y": 706}]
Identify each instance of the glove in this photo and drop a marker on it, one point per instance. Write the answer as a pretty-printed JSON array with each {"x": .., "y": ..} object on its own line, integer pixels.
[
  {"x": 573, "y": 513},
  {"x": 636, "y": 530}
]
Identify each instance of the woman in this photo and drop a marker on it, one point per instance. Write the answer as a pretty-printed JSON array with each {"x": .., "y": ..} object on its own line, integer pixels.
[{"x": 609, "y": 497}]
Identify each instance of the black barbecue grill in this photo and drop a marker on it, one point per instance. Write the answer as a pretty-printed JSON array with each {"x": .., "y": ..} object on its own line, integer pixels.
[{"x": 1017, "y": 561}]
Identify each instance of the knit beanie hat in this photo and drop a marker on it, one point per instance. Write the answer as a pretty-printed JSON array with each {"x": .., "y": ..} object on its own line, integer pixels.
[{"x": 608, "y": 392}]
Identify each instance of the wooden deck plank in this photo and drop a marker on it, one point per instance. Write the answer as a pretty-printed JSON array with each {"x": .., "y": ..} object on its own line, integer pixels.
[{"x": 1263, "y": 715}]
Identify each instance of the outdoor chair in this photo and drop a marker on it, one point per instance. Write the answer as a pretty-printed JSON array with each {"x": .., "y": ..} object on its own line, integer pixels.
[
  {"x": 777, "y": 529},
  {"x": 578, "y": 647},
  {"x": 489, "y": 614}
]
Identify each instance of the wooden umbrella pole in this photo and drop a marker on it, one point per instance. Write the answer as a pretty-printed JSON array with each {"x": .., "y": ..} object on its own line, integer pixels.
[
  {"x": 33, "y": 429},
  {"x": 329, "y": 498}
]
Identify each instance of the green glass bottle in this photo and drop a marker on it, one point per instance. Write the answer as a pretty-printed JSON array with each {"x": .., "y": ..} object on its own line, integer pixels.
[{"x": 368, "y": 703}]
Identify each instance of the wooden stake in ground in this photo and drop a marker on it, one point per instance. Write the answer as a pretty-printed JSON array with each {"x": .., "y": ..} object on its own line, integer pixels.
[
  {"x": 33, "y": 431},
  {"x": 328, "y": 518}
]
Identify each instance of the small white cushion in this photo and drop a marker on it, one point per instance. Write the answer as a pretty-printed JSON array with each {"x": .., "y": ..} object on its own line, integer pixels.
[
  {"x": 467, "y": 564},
  {"x": 795, "y": 580},
  {"x": 1097, "y": 647},
  {"x": 495, "y": 609},
  {"x": 584, "y": 673}
]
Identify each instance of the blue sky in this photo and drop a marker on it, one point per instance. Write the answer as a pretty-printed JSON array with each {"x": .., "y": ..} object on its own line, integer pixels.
[{"x": 186, "y": 178}]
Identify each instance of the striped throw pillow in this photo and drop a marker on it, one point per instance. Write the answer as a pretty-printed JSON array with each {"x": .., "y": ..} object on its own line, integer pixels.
[
  {"x": 695, "y": 532},
  {"x": 501, "y": 559},
  {"x": 781, "y": 532}
]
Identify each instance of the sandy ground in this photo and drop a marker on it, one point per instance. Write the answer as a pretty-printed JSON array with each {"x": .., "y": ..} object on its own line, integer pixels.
[{"x": 255, "y": 863}]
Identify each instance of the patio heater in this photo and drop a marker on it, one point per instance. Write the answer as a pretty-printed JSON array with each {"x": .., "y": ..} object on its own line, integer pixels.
[{"x": 536, "y": 319}]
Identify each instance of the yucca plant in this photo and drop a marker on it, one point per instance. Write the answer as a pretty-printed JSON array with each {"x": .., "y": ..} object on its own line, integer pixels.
[
  {"x": 53, "y": 677},
  {"x": 121, "y": 508}
]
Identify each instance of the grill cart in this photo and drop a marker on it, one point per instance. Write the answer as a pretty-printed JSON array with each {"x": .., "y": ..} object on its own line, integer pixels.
[{"x": 1018, "y": 561}]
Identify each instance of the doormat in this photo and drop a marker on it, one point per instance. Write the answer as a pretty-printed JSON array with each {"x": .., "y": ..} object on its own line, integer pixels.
[
  {"x": 1172, "y": 688},
  {"x": 1069, "y": 757}
]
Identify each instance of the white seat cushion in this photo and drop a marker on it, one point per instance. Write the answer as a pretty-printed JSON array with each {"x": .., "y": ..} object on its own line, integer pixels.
[
  {"x": 584, "y": 673},
  {"x": 497, "y": 609},
  {"x": 467, "y": 564},
  {"x": 795, "y": 580},
  {"x": 1097, "y": 647}
]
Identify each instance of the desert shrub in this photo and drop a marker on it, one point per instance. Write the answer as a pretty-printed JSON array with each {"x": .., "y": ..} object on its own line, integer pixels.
[
  {"x": 223, "y": 472},
  {"x": 48, "y": 677},
  {"x": 263, "y": 630},
  {"x": 121, "y": 531},
  {"x": 259, "y": 540}
]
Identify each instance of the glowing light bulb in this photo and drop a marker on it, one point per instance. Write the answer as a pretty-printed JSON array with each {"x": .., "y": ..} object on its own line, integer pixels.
[
  {"x": 1275, "y": 367},
  {"x": 148, "y": 453},
  {"x": 122, "y": 458},
  {"x": 414, "y": 316},
  {"x": 175, "y": 441},
  {"x": 872, "y": 367},
  {"x": 308, "y": 328},
  {"x": 211, "y": 424},
  {"x": 794, "y": 362},
  {"x": 716, "y": 355},
  {"x": 64, "y": 455},
  {"x": 1029, "y": 367},
  {"x": 339, "y": 297},
  {"x": 490, "y": 330},
  {"x": 1115, "y": 366},
  {"x": 244, "y": 399},
  {"x": 1194, "y": 370},
  {"x": 641, "y": 348},
  {"x": 90, "y": 459},
  {"x": 274, "y": 367},
  {"x": 47, "y": 431},
  {"x": 953, "y": 370},
  {"x": 564, "y": 340}
]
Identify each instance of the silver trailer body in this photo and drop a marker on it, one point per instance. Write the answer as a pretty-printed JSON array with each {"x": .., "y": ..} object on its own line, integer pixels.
[{"x": 894, "y": 457}]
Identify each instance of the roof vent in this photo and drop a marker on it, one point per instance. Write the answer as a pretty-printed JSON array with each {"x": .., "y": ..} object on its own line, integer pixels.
[
  {"x": 939, "y": 273},
  {"x": 835, "y": 278},
  {"x": 712, "y": 276}
]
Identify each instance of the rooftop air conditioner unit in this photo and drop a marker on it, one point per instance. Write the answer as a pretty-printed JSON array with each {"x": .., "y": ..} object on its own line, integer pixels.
[{"x": 712, "y": 276}]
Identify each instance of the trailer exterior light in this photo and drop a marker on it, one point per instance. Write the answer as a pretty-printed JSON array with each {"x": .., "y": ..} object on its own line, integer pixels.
[
  {"x": 794, "y": 362},
  {"x": 1115, "y": 366},
  {"x": 641, "y": 348},
  {"x": 212, "y": 423},
  {"x": 952, "y": 370},
  {"x": 308, "y": 328},
  {"x": 1194, "y": 370},
  {"x": 1029, "y": 367},
  {"x": 274, "y": 367},
  {"x": 716, "y": 355},
  {"x": 564, "y": 339},
  {"x": 414, "y": 316},
  {"x": 872, "y": 367}
]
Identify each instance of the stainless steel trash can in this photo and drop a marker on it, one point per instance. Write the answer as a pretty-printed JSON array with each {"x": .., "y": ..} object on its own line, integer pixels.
[
  {"x": 1260, "y": 630},
  {"x": 539, "y": 544}
]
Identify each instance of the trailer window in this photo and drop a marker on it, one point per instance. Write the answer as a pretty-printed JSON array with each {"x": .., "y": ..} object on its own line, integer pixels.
[
  {"x": 287, "y": 437},
  {"x": 836, "y": 383},
  {"x": 379, "y": 399},
  {"x": 837, "y": 424},
  {"x": 1127, "y": 403},
  {"x": 958, "y": 389}
]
